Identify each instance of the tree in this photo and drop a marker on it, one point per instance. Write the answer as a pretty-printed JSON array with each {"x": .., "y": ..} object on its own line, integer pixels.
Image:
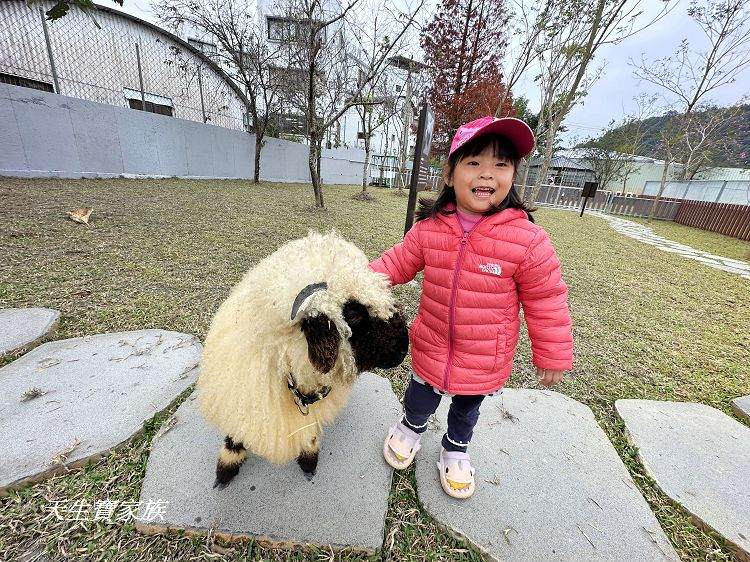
[
  {"x": 575, "y": 31},
  {"x": 689, "y": 76},
  {"x": 62, "y": 7},
  {"x": 528, "y": 23},
  {"x": 632, "y": 134},
  {"x": 628, "y": 137},
  {"x": 244, "y": 51},
  {"x": 333, "y": 79},
  {"x": 379, "y": 101},
  {"x": 694, "y": 141},
  {"x": 606, "y": 158},
  {"x": 463, "y": 45}
]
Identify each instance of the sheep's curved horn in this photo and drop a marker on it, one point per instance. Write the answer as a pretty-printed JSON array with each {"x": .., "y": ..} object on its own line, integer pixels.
[{"x": 305, "y": 294}]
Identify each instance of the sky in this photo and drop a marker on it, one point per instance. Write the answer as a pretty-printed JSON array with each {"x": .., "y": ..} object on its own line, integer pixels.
[{"x": 612, "y": 96}]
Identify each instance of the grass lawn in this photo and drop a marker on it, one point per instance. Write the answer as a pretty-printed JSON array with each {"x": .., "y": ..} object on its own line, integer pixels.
[
  {"x": 165, "y": 253},
  {"x": 703, "y": 240}
]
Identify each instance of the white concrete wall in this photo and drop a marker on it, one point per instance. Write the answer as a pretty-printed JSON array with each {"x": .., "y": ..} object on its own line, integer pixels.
[{"x": 48, "y": 135}]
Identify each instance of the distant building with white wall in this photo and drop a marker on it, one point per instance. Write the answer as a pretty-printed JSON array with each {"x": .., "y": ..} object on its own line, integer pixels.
[{"x": 114, "y": 58}]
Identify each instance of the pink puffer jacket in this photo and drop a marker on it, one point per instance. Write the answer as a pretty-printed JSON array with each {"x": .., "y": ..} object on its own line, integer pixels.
[{"x": 466, "y": 331}]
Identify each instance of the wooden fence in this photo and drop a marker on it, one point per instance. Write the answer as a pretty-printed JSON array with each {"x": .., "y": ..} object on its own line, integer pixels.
[
  {"x": 606, "y": 201},
  {"x": 724, "y": 218}
]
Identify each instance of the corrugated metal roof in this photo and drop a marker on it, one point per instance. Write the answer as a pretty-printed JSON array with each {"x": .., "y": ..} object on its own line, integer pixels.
[{"x": 561, "y": 162}]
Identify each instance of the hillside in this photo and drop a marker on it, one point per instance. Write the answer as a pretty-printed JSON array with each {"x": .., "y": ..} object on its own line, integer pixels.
[{"x": 738, "y": 157}]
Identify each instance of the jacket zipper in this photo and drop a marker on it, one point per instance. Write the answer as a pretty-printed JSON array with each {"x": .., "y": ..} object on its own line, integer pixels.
[{"x": 452, "y": 304}]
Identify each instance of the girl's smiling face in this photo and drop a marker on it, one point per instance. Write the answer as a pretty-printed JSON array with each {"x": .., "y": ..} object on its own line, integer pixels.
[{"x": 481, "y": 181}]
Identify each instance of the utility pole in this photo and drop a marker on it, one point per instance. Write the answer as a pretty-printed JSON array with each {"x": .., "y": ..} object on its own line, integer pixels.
[
  {"x": 406, "y": 121},
  {"x": 49, "y": 51}
]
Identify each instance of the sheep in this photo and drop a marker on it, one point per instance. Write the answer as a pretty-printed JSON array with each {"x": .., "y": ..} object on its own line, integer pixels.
[{"x": 286, "y": 346}]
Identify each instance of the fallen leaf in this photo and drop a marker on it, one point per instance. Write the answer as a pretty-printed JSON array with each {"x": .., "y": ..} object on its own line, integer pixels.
[{"x": 81, "y": 215}]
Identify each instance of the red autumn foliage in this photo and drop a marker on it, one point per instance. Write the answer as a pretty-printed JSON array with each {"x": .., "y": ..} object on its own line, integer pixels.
[{"x": 464, "y": 44}]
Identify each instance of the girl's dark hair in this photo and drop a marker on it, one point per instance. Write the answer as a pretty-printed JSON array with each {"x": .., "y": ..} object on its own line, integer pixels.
[{"x": 501, "y": 148}]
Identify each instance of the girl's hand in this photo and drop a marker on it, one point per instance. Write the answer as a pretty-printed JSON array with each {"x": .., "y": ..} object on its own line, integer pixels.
[{"x": 548, "y": 377}]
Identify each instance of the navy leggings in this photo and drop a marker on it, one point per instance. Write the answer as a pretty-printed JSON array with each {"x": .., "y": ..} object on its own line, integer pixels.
[{"x": 421, "y": 401}]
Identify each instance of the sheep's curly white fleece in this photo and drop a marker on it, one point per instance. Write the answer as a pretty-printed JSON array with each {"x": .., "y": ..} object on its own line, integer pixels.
[{"x": 252, "y": 345}]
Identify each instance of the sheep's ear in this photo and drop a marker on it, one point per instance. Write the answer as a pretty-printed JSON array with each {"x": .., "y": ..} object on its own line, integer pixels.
[
  {"x": 322, "y": 341},
  {"x": 304, "y": 299}
]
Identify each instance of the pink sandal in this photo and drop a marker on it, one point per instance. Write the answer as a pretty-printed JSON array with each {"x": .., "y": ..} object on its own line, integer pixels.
[
  {"x": 456, "y": 474},
  {"x": 401, "y": 446}
]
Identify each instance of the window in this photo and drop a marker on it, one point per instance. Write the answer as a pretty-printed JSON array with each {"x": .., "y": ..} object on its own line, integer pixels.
[
  {"x": 25, "y": 82},
  {"x": 151, "y": 107},
  {"x": 206, "y": 47},
  {"x": 282, "y": 29},
  {"x": 154, "y": 103},
  {"x": 288, "y": 29}
]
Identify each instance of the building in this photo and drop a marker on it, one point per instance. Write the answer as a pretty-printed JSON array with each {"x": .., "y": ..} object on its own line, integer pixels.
[
  {"x": 114, "y": 58},
  {"x": 563, "y": 170},
  {"x": 643, "y": 177}
]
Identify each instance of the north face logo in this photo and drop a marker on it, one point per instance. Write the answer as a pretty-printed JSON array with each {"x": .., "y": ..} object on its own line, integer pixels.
[{"x": 493, "y": 268}]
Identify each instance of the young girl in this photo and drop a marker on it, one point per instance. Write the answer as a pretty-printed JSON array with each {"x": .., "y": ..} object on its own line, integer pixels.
[{"x": 482, "y": 256}]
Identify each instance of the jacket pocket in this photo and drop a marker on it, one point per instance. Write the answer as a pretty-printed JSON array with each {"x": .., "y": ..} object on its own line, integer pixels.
[{"x": 500, "y": 345}]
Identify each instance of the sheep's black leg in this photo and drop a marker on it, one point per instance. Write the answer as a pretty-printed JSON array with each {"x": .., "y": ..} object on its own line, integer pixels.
[
  {"x": 308, "y": 462},
  {"x": 231, "y": 457}
]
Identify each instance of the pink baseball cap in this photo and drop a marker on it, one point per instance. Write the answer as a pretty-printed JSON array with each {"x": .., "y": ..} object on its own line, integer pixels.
[{"x": 515, "y": 130}]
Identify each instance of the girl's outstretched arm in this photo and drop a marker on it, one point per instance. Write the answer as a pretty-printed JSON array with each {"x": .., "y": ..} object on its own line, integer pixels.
[
  {"x": 544, "y": 297},
  {"x": 402, "y": 262}
]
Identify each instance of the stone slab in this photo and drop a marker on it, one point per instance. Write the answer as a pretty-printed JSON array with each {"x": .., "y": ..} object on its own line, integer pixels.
[
  {"x": 729, "y": 269},
  {"x": 23, "y": 328},
  {"x": 736, "y": 263},
  {"x": 550, "y": 486},
  {"x": 699, "y": 457},
  {"x": 742, "y": 407},
  {"x": 96, "y": 391},
  {"x": 344, "y": 505}
]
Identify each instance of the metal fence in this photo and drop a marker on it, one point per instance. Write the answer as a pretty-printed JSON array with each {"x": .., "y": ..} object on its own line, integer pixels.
[
  {"x": 390, "y": 176},
  {"x": 724, "y": 218},
  {"x": 109, "y": 58},
  {"x": 716, "y": 191},
  {"x": 605, "y": 201}
]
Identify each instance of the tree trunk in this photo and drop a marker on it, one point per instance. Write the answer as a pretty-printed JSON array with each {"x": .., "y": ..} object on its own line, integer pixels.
[
  {"x": 366, "y": 170},
  {"x": 313, "y": 163},
  {"x": 544, "y": 168},
  {"x": 663, "y": 184},
  {"x": 525, "y": 178},
  {"x": 319, "y": 155},
  {"x": 259, "y": 141}
]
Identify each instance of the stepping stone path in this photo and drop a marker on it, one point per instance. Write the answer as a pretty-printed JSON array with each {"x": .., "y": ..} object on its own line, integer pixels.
[
  {"x": 742, "y": 407},
  {"x": 550, "y": 486},
  {"x": 23, "y": 328},
  {"x": 344, "y": 505},
  {"x": 646, "y": 235},
  {"x": 699, "y": 457},
  {"x": 70, "y": 400}
]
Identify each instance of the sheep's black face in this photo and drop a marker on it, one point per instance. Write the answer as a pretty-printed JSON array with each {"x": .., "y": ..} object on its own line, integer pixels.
[{"x": 376, "y": 342}]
